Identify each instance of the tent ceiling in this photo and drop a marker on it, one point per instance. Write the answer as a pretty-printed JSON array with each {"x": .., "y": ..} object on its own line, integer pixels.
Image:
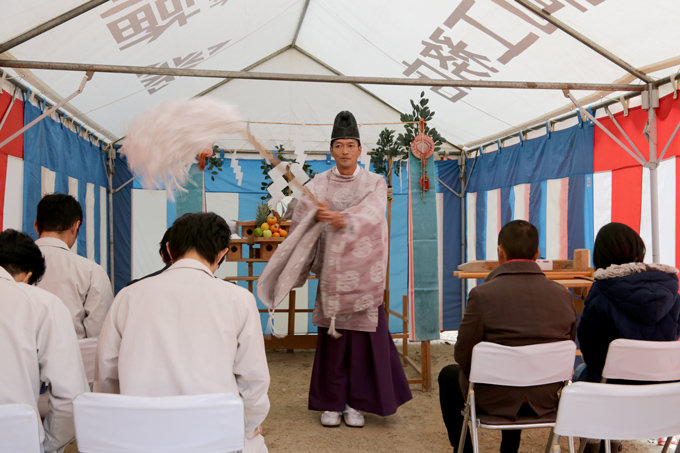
[{"x": 490, "y": 40}]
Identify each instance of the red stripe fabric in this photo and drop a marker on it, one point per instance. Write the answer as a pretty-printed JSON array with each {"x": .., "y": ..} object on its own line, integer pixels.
[
  {"x": 3, "y": 179},
  {"x": 667, "y": 119},
  {"x": 677, "y": 213},
  {"x": 607, "y": 155},
  {"x": 13, "y": 123},
  {"x": 627, "y": 196}
]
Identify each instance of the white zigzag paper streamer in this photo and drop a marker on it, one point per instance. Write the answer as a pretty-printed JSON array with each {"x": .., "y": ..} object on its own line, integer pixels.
[
  {"x": 299, "y": 145},
  {"x": 279, "y": 183},
  {"x": 301, "y": 176},
  {"x": 237, "y": 169},
  {"x": 364, "y": 158}
]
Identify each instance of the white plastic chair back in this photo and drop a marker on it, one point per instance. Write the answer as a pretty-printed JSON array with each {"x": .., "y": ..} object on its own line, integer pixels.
[
  {"x": 522, "y": 366},
  {"x": 88, "y": 350},
  {"x": 639, "y": 360},
  {"x": 623, "y": 412},
  {"x": 19, "y": 431},
  {"x": 210, "y": 423}
]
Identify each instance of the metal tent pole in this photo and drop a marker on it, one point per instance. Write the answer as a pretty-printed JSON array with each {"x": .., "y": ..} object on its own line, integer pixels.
[
  {"x": 213, "y": 73},
  {"x": 463, "y": 227},
  {"x": 652, "y": 103},
  {"x": 49, "y": 111},
  {"x": 111, "y": 156}
]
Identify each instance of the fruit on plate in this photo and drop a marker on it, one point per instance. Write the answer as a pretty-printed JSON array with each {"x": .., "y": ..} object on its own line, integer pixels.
[
  {"x": 276, "y": 234},
  {"x": 257, "y": 232},
  {"x": 272, "y": 219},
  {"x": 267, "y": 233},
  {"x": 283, "y": 233},
  {"x": 275, "y": 227},
  {"x": 264, "y": 226}
]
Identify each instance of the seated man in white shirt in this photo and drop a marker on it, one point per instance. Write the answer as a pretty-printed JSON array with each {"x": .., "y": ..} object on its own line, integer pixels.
[
  {"x": 81, "y": 284},
  {"x": 37, "y": 341},
  {"x": 186, "y": 332}
]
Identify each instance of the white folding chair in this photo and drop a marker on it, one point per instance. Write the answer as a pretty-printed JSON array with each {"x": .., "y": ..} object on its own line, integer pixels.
[
  {"x": 210, "y": 423},
  {"x": 614, "y": 411},
  {"x": 518, "y": 366},
  {"x": 639, "y": 360},
  {"x": 19, "y": 430},
  {"x": 88, "y": 350}
]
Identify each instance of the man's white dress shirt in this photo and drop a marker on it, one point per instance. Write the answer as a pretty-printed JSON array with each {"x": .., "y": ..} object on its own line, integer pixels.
[
  {"x": 38, "y": 344},
  {"x": 81, "y": 284},
  {"x": 185, "y": 332}
]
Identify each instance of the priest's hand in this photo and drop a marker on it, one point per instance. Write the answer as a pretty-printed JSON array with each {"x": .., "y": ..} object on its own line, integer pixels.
[{"x": 335, "y": 218}]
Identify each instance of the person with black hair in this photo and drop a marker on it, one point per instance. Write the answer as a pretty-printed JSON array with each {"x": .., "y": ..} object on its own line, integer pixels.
[
  {"x": 629, "y": 299},
  {"x": 37, "y": 342},
  {"x": 21, "y": 257},
  {"x": 516, "y": 305},
  {"x": 81, "y": 284},
  {"x": 184, "y": 331},
  {"x": 165, "y": 256}
]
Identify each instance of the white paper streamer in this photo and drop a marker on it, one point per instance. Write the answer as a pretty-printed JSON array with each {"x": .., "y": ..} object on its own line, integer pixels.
[
  {"x": 299, "y": 145},
  {"x": 237, "y": 169},
  {"x": 279, "y": 183}
]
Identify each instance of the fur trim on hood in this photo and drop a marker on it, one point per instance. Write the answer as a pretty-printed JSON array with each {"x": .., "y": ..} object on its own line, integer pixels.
[{"x": 622, "y": 270}]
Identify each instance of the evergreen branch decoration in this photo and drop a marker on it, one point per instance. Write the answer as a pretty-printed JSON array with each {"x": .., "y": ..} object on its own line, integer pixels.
[
  {"x": 214, "y": 163},
  {"x": 420, "y": 110},
  {"x": 399, "y": 148},
  {"x": 386, "y": 147}
]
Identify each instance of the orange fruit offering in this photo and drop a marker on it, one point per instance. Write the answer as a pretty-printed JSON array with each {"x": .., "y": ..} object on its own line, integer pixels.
[
  {"x": 276, "y": 234},
  {"x": 275, "y": 227},
  {"x": 272, "y": 220},
  {"x": 283, "y": 233}
]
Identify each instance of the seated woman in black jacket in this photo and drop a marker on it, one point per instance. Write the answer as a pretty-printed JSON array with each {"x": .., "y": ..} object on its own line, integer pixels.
[{"x": 629, "y": 299}]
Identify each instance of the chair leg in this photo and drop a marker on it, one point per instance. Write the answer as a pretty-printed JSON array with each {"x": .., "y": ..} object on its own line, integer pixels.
[
  {"x": 552, "y": 439},
  {"x": 473, "y": 423},
  {"x": 473, "y": 433},
  {"x": 582, "y": 444},
  {"x": 607, "y": 446},
  {"x": 464, "y": 427},
  {"x": 667, "y": 444}
]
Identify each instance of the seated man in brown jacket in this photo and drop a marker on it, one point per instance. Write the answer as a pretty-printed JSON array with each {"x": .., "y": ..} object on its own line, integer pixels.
[{"x": 516, "y": 305}]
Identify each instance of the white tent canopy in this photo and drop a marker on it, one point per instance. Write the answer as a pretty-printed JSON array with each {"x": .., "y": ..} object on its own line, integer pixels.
[{"x": 477, "y": 40}]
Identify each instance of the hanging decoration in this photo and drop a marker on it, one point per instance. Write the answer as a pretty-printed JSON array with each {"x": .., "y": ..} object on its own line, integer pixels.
[
  {"x": 237, "y": 169},
  {"x": 422, "y": 147},
  {"x": 203, "y": 155}
]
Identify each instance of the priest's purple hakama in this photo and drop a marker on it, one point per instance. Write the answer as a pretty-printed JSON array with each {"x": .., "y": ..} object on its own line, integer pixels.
[
  {"x": 356, "y": 362},
  {"x": 361, "y": 369}
]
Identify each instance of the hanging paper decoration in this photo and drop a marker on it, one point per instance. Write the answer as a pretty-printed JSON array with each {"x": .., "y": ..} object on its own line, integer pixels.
[
  {"x": 291, "y": 170},
  {"x": 364, "y": 158},
  {"x": 237, "y": 169},
  {"x": 299, "y": 145}
]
